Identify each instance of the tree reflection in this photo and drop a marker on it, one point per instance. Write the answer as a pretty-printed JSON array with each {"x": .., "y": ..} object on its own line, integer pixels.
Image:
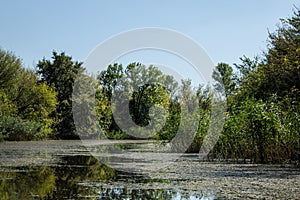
[
  {"x": 53, "y": 182},
  {"x": 27, "y": 183},
  {"x": 123, "y": 193},
  {"x": 77, "y": 177},
  {"x": 79, "y": 169}
]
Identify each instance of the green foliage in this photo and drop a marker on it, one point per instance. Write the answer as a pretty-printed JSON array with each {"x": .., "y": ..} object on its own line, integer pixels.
[
  {"x": 223, "y": 75},
  {"x": 61, "y": 73},
  {"x": 7, "y": 106},
  {"x": 204, "y": 97},
  {"x": 283, "y": 57},
  {"x": 253, "y": 131},
  {"x": 14, "y": 128},
  {"x": 279, "y": 72},
  {"x": 263, "y": 109},
  {"x": 144, "y": 87},
  {"x": 108, "y": 80},
  {"x": 10, "y": 68},
  {"x": 26, "y": 104}
]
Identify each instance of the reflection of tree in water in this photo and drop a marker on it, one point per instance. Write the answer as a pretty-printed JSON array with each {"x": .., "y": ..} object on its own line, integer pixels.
[
  {"x": 78, "y": 169},
  {"x": 27, "y": 183},
  {"x": 58, "y": 182},
  {"x": 123, "y": 193},
  {"x": 77, "y": 177}
]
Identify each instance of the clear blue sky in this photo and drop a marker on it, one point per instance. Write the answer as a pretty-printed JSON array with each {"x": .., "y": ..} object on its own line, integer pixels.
[{"x": 226, "y": 29}]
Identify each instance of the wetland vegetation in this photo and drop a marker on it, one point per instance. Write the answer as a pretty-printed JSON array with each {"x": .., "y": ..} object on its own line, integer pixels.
[{"x": 261, "y": 129}]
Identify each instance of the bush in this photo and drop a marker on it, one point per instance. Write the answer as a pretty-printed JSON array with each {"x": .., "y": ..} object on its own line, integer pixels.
[{"x": 15, "y": 129}]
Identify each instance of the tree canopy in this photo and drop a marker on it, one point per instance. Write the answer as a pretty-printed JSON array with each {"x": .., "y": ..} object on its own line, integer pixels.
[
  {"x": 26, "y": 103},
  {"x": 263, "y": 100},
  {"x": 61, "y": 72}
]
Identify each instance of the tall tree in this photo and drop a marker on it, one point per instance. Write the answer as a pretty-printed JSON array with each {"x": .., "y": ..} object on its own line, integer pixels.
[
  {"x": 10, "y": 68},
  {"x": 61, "y": 72},
  {"x": 25, "y": 103},
  {"x": 142, "y": 86},
  {"x": 223, "y": 75},
  {"x": 262, "y": 123},
  {"x": 279, "y": 73}
]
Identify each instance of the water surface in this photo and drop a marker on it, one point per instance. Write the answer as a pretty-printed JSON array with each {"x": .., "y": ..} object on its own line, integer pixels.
[{"x": 66, "y": 170}]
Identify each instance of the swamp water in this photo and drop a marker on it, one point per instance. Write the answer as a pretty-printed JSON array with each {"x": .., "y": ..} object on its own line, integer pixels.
[{"x": 66, "y": 170}]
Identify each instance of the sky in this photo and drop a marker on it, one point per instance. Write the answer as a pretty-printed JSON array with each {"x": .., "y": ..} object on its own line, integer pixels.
[{"x": 227, "y": 30}]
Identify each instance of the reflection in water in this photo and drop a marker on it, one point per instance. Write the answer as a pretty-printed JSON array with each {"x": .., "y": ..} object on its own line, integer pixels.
[
  {"x": 46, "y": 182},
  {"x": 77, "y": 177},
  {"x": 122, "y": 193},
  {"x": 19, "y": 183}
]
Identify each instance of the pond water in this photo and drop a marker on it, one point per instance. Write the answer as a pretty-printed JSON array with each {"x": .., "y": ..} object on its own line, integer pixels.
[
  {"x": 66, "y": 170},
  {"x": 79, "y": 177}
]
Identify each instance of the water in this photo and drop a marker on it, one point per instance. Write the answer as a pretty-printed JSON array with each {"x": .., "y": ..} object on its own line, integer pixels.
[
  {"x": 78, "y": 177},
  {"x": 66, "y": 170}
]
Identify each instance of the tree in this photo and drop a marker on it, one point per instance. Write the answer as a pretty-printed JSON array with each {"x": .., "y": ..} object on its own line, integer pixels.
[
  {"x": 10, "y": 68},
  {"x": 107, "y": 80},
  {"x": 223, "y": 75},
  {"x": 279, "y": 72},
  {"x": 262, "y": 123},
  {"x": 61, "y": 72},
  {"x": 136, "y": 89},
  {"x": 26, "y": 104}
]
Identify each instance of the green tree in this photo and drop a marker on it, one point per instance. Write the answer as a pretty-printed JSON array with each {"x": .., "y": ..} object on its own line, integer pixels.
[
  {"x": 61, "y": 73},
  {"x": 282, "y": 67},
  {"x": 140, "y": 88},
  {"x": 224, "y": 77},
  {"x": 26, "y": 103},
  {"x": 107, "y": 80},
  {"x": 262, "y": 123},
  {"x": 278, "y": 73},
  {"x": 10, "y": 68}
]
